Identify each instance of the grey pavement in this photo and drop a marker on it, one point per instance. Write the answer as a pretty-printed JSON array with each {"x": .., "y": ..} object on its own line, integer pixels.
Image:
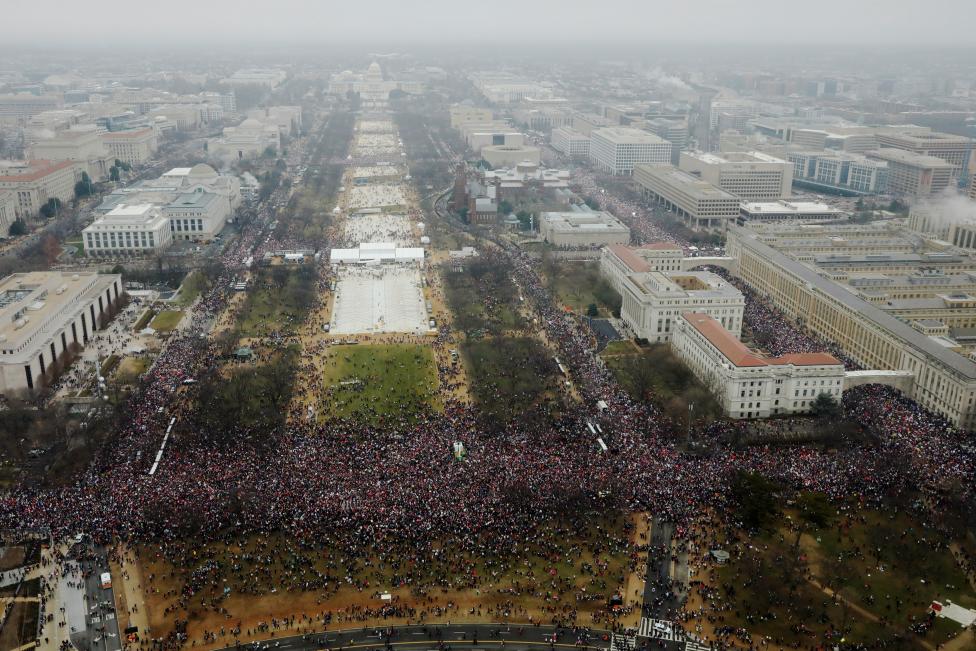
[{"x": 440, "y": 637}]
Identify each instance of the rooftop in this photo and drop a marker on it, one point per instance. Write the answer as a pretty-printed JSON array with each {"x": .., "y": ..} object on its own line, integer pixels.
[
  {"x": 883, "y": 320},
  {"x": 22, "y": 171},
  {"x": 909, "y": 158},
  {"x": 685, "y": 182},
  {"x": 741, "y": 355},
  {"x": 627, "y": 135},
  {"x": 29, "y": 302}
]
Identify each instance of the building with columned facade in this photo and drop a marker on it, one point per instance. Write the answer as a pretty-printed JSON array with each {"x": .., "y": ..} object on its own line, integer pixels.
[{"x": 42, "y": 315}]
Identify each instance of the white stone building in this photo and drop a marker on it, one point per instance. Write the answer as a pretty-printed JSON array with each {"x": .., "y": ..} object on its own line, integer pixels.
[
  {"x": 700, "y": 204},
  {"x": 653, "y": 300},
  {"x": 746, "y": 383},
  {"x": 571, "y": 142},
  {"x": 42, "y": 314},
  {"x": 8, "y": 211},
  {"x": 83, "y": 145},
  {"x": 134, "y": 146},
  {"x": 751, "y": 176},
  {"x": 616, "y": 150},
  {"x": 136, "y": 229},
  {"x": 34, "y": 182},
  {"x": 582, "y": 229}
]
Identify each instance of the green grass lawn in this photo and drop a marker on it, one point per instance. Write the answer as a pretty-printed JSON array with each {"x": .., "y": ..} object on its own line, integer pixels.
[
  {"x": 131, "y": 368},
  {"x": 192, "y": 286},
  {"x": 655, "y": 374},
  {"x": 885, "y": 563},
  {"x": 894, "y": 558},
  {"x": 577, "y": 285},
  {"x": 166, "y": 321},
  {"x": 482, "y": 298},
  {"x": 376, "y": 382},
  {"x": 279, "y": 301},
  {"x": 144, "y": 319},
  {"x": 511, "y": 376}
]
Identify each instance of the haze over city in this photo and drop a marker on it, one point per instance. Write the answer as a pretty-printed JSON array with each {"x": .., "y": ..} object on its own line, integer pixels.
[
  {"x": 429, "y": 22},
  {"x": 433, "y": 326}
]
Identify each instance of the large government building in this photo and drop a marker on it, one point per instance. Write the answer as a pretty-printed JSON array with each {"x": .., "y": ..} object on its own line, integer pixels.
[
  {"x": 656, "y": 292},
  {"x": 746, "y": 383},
  {"x": 42, "y": 314},
  {"x": 894, "y": 301}
]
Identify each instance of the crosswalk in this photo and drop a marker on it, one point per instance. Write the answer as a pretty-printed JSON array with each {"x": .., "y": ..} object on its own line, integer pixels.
[
  {"x": 660, "y": 629},
  {"x": 696, "y": 646},
  {"x": 622, "y": 642}
]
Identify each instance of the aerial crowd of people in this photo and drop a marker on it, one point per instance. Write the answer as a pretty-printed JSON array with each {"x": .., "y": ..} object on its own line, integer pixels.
[{"x": 350, "y": 485}]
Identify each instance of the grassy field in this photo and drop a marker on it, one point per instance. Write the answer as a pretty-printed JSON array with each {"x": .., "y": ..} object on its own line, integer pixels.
[
  {"x": 560, "y": 571},
  {"x": 144, "y": 319},
  {"x": 511, "y": 376},
  {"x": 482, "y": 298},
  {"x": 192, "y": 286},
  {"x": 577, "y": 285},
  {"x": 376, "y": 382},
  {"x": 887, "y": 567},
  {"x": 166, "y": 321},
  {"x": 655, "y": 374},
  {"x": 130, "y": 368},
  {"x": 279, "y": 300}
]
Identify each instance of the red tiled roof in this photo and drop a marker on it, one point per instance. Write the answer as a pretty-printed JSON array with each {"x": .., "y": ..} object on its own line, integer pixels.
[
  {"x": 662, "y": 246},
  {"x": 733, "y": 349},
  {"x": 741, "y": 355},
  {"x": 629, "y": 258},
  {"x": 806, "y": 359},
  {"x": 39, "y": 169}
]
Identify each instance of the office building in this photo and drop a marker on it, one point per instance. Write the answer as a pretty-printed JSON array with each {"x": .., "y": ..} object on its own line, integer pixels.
[
  {"x": 8, "y": 211},
  {"x": 35, "y": 182},
  {"x": 942, "y": 373},
  {"x": 838, "y": 172},
  {"x": 804, "y": 212},
  {"x": 269, "y": 77},
  {"x": 616, "y": 263},
  {"x": 18, "y": 108},
  {"x": 751, "y": 176},
  {"x": 42, "y": 315},
  {"x": 582, "y": 229},
  {"x": 701, "y": 205},
  {"x": 136, "y": 229},
  {"x": 462, "y": 114},
  {"x": 83, "y": 145},
  {"x": 654, "y": 300},
  {"x": 953, "y": 149},
  {"x": 914, "y": 174},
  {"x": 571, "y": 142},
  {"x": 746, "y": 383},
  {"x": 972, "y": 188},
  {"x": 616, "y": 150},
  {"x": 134, "y": 146}
]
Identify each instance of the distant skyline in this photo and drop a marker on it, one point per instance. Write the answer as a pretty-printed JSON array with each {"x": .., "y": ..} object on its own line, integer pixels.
[{"x": 388, "y": 23}]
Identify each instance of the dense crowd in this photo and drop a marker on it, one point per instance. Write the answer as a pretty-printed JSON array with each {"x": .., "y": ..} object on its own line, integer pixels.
[{"x": 356, "y": 485}]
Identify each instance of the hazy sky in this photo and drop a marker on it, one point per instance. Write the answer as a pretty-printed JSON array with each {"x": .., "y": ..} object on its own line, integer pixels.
[{"x": 376, "y": 23}]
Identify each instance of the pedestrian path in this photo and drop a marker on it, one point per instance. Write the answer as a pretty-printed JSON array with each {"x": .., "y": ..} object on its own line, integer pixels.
[
  {"x": 622, "y": 642},
  {"x": 660, "y": 629}
]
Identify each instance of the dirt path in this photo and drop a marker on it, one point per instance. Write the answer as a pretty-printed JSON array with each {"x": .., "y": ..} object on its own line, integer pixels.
[
  {"x": 863, "y": 612},
  {"x": 130, "y": 605}
]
